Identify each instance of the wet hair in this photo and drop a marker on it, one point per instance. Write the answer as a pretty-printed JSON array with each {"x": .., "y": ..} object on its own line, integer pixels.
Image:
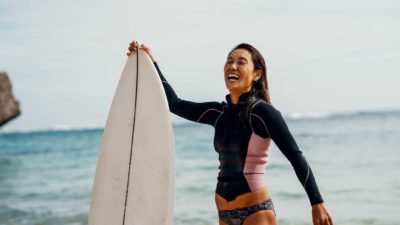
[{"x": 260, "y": 87}]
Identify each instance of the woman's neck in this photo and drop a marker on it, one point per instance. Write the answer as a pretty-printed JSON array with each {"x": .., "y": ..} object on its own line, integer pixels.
[
  {"x": 235, "y": 95},
  {"x": 234, "y": 98}
]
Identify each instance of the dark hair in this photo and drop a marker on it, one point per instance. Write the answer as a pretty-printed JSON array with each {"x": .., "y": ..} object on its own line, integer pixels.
[{"x": 260, "y": 87}]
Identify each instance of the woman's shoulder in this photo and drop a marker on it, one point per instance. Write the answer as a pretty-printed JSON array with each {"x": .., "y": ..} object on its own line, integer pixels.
[
  {"x": 265, "y": 118},
  {"x": 261, "y": 107},
  {"x": 213, "y": 106}
]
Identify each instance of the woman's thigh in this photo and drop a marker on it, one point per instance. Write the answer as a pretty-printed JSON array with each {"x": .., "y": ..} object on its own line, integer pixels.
[{"x": 263, "y": 217}]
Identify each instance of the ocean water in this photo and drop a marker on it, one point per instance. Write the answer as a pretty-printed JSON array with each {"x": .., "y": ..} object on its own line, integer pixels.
[{"x": 46, "y": 176}]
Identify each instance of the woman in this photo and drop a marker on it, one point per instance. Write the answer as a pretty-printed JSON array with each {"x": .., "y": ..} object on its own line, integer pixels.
[{"x": 245, "y": 126}]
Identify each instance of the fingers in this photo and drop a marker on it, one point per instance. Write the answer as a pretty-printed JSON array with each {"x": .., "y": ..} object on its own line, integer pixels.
[
  {"x": 145, "y": 47},
  {"x": 134, "y": 45},
  {"x": 323, "y": 221},
  {"x": 317, "y": 221},
  {"x": 330, "y": 220},
  {"x": 132, "y": 48}
]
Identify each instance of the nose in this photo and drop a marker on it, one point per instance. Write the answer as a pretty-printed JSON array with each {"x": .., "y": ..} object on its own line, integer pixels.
[{"x": 232, "y": 66}]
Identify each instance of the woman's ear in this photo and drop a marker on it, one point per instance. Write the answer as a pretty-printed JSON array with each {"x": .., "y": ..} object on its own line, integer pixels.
[{"x": 257, "y": 76}]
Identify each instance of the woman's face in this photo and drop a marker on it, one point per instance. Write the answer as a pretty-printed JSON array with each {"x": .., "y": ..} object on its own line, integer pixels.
[{"x": 239, "y": 72}]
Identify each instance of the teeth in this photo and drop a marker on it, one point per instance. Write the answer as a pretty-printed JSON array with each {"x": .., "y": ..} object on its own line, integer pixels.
[{"x": 233, "y": 76}]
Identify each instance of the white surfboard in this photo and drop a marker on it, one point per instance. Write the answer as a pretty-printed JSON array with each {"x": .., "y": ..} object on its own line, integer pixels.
[{"x": 135, "y": 174}]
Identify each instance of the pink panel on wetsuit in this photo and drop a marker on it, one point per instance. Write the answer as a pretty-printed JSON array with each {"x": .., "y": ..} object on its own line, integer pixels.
[{"x": 257, "y": 156}]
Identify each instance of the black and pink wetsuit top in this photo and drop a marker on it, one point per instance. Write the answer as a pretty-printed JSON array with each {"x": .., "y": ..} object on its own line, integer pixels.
[{"x": 243, "y": 151}]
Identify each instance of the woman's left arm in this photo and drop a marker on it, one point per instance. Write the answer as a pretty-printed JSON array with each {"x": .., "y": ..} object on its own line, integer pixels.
[{"x": 267, "y": 121}]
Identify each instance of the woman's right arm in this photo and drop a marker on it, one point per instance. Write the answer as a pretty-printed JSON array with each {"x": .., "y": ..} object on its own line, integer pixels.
[{"x": 205, "y": 112}]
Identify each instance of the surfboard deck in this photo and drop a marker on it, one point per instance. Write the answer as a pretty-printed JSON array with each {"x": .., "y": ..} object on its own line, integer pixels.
[{"x": 135, "y": 173}]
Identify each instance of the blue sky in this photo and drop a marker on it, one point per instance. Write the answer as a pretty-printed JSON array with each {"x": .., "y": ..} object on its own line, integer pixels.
[{"x": 64, "y": 58}]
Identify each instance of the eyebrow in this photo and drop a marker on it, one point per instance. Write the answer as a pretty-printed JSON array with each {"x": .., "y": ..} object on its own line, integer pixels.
[{"x": 240, "y": 58}]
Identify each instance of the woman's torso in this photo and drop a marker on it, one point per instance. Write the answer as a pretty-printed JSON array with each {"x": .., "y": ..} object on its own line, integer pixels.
[{"x": 242, "y": 155}]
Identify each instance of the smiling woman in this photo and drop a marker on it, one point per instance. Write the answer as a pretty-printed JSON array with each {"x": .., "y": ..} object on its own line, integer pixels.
[
  {"x": 245, "y": 60},
  {"x": 245, "y": 126}
]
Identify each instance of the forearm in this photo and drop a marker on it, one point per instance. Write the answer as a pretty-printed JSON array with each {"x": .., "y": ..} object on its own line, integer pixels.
[
  {"x": 172, "y": 97},
  {"x": 290, "y": 149},
  {"x": 305, "y": 176}
]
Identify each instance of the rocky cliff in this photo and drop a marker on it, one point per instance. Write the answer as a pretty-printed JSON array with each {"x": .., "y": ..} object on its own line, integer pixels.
[{"x": 9, "y": 107}]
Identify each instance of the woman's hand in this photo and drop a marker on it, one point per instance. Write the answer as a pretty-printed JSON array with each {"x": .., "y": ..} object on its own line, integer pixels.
[
  {"x": 320, "y": 215},
  {"x": 133, "y": 46}
]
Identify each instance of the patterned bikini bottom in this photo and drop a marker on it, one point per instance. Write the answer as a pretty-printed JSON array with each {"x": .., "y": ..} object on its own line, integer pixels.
[{"x": 238, "y": 216}]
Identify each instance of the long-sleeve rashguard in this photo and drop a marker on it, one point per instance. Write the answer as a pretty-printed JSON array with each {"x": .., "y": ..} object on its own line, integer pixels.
[{"x": 243, "y": 151}]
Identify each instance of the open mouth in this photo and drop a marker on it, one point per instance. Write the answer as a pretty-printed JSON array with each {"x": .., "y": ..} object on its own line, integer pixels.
[{"x": 233, "y": 77}]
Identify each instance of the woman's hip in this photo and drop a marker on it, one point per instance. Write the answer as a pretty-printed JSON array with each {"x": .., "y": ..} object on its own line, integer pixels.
[{"x": 243, "y": 200}]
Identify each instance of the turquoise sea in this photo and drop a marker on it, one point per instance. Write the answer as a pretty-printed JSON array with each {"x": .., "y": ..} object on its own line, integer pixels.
[{"x": 46, "y": 176}]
